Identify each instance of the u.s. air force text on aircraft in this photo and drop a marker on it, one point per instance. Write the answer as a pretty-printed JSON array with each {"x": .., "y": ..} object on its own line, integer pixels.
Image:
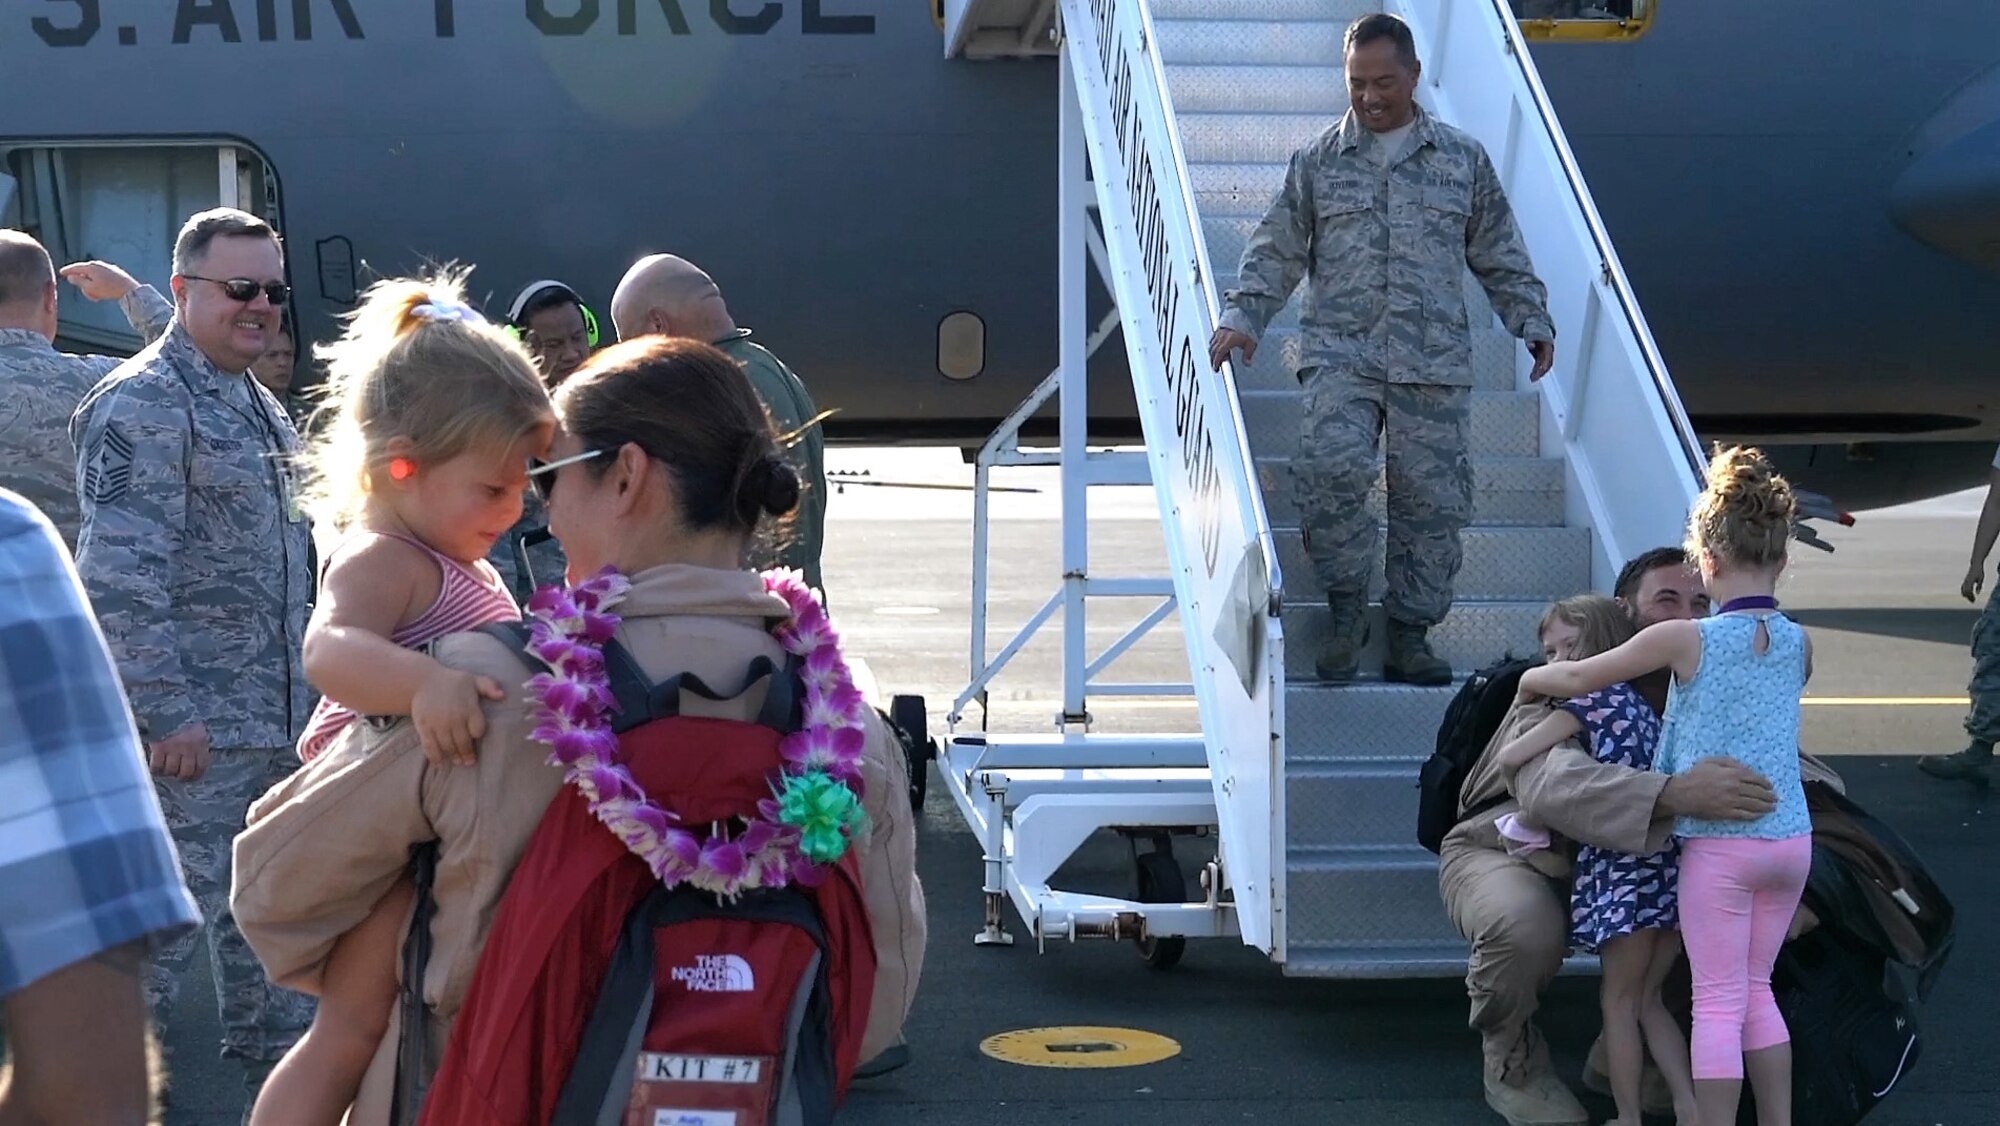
[
  {"x": 78, "y": 23},
  {"x": 1177, "y": 347}
]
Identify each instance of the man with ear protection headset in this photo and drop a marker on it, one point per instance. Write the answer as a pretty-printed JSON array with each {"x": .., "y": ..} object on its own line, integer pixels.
[
  {"x": 558, "y": 328},
  {"x": 560, "y": 332}
]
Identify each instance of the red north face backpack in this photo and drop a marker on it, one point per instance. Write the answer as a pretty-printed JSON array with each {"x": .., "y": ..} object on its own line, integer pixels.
[{"x": 604, "y": 996}]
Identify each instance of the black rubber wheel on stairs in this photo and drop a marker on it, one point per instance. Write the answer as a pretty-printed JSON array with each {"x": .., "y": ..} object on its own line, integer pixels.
[
  {"x": 907, "y": 716},
  {"x": 1161, "y": 881}
]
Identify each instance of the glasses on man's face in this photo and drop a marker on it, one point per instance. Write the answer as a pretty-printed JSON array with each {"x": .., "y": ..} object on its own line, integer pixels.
[
  {"x": 246, "y": 290},
  {"x": 542, "y": 474}
]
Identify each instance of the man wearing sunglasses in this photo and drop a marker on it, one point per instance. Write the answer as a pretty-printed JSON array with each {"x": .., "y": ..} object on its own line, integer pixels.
[{"x": 198, "y": 561}]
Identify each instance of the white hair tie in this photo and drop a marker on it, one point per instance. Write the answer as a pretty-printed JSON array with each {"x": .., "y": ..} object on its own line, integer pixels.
[{"x": 447, "y": 311}]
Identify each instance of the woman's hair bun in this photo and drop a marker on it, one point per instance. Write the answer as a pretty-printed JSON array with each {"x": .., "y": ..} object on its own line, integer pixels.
[{"x": 770, "y": 486}]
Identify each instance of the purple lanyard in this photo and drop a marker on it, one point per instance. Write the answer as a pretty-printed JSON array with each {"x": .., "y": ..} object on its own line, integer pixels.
[{"x": 1749, "y": 602}]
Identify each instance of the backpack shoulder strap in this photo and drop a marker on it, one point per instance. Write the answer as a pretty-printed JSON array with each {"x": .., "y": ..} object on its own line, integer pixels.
[
  {"x": 412, "y": 1037},
  {"x": 782, "y": 710},
  {"x": 629, "y": 686}
]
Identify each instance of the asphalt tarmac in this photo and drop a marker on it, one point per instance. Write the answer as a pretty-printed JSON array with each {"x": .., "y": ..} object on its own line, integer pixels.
[{"x": 1890, "y": 634}]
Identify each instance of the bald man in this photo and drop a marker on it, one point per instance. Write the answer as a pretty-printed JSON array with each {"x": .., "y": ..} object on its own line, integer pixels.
[
  {"x": 667, "y": 296},
  {"x": 39, "y": 386}
]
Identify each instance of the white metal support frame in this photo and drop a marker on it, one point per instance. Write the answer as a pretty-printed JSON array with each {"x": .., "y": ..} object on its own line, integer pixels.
[{"x": 1032, "y": 801}]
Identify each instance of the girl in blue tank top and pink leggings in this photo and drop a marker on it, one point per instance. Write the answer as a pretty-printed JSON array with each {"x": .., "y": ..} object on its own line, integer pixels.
[
  {"x": 436, "y": 416},
  {"x": 1735, "y": 694}
]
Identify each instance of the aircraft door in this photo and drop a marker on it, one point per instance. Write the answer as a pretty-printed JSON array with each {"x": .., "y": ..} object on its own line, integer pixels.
[
  {"x": 123, "y": 203},
  {"x": 1584, "y": 21}
]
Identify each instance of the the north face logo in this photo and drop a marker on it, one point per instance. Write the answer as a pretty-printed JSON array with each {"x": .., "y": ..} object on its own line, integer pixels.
[{"x": 717, "y": 973}]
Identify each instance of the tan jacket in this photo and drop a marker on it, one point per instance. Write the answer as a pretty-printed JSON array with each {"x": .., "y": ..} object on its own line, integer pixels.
[
  {"x": 1573, "y": 796},
  {"x": 322, "y": 847}
]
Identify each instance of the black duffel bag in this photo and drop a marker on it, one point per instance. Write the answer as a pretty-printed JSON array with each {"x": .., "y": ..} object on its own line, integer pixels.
[{"x": 1854, "y": 1037}]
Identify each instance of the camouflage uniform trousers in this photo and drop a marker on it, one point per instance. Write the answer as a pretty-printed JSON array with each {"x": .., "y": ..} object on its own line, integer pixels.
[
  {"x": 1429, "y": 488},
  {"x": 259, "y": 1020},
  {"x": 1983, "y": 721}
]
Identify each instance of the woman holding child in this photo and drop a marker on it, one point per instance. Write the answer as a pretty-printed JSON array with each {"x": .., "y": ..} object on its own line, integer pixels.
[{"x": 661, "y": 466}]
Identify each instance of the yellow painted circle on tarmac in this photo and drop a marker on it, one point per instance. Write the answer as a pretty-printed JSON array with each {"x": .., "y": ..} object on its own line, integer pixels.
[{"x": 1079, "y": 1046}]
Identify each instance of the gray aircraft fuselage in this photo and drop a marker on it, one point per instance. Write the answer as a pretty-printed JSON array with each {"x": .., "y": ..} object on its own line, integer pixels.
[{"x": 849, "y": 187}]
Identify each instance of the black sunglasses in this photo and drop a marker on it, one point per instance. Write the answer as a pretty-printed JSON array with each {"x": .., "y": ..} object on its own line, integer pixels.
[
  {"x": 245, "y": 290},
  {"x": 542, "y": 474}
]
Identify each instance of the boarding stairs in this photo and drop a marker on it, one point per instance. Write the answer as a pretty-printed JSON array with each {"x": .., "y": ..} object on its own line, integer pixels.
[{"x": 1190, "y": 109}]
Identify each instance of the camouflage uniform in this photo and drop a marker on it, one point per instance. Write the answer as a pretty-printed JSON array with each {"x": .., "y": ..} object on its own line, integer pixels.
[
  {"x": 300, "y": 410},
  {"x": 515, "y": 558},
  {"x": 1982, "y": 721},
  {"x": 791, "y": 407},
  {"x": 39, "y": 388},
  {"x": 200, "y": 570},
  {"x": 1387, "y": 347}
]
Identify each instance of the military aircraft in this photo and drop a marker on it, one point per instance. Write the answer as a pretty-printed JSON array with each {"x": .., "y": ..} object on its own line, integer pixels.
[{"x": 1804, "y": 193}]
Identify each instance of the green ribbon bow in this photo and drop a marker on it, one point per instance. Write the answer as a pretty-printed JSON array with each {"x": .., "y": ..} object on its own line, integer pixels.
[{"x": 824, "y": 811}]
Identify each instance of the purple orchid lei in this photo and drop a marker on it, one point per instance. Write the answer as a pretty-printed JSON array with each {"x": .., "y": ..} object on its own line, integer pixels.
[{"x": 815, "y": 810}]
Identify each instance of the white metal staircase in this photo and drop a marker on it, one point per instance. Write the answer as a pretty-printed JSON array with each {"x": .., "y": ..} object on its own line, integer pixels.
[{"x": 1572, "y": 476}]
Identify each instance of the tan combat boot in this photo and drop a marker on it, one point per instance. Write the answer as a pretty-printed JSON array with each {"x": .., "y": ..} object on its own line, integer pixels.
[
  {"x": 1347, "y": 631},
  {"x": 1540, "y": 1099},
  {"x": 1410, "y": 658},
  {"x": 1521, "y": 1086}
]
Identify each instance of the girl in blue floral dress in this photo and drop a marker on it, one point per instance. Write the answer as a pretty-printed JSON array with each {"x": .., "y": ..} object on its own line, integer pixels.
[{"x": 1622, "y": 907}]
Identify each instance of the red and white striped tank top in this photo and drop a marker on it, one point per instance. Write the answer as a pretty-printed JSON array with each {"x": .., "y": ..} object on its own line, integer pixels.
[{"x": 468, "y": 598}]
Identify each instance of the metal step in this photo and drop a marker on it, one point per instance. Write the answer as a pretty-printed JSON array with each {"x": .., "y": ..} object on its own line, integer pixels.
[
  {"x": 1326, "y": 723},
  {"x": 1226, "y": 191},
  {"x": 1506, "y": 492},
  {"x": 1241, "y": 88},
  {"x": 1496, "y": 356},
  {"x": 1253, "y": 42},
  {"x": 1365, "y": 903},
  {"x": 1472, "y": 636},
  {"x": 1248, "y": 138},
  {"x": 1504, "y": 423},
  {"x": 1344, "y": 11},
  {"x": 1500, "y": 564},
  {"x": 1356, "y": 801},
  {"x": 1400, "y": 963}
]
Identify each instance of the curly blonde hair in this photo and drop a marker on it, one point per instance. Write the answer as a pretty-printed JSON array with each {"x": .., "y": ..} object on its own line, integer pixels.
[
  {"x": 416, "y": 363},
  {"x": 1744, "y": 517}
]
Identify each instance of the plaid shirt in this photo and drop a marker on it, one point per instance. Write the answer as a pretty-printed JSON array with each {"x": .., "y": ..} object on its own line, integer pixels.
[{"x": 85, "y": 860}]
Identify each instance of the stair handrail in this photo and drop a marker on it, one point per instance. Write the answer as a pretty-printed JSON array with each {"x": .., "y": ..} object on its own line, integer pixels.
[
  {"x": 1210, "y": 310},
  {"x": 1614, "y": 269},
  {"x": 1226, "y": 574}
]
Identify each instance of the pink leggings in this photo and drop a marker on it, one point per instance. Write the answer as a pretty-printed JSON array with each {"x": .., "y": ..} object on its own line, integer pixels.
[{"x": 1737, "y": 898}]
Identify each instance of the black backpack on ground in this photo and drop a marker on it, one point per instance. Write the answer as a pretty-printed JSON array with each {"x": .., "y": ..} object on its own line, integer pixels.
[{"x": 1469, "y": 723}]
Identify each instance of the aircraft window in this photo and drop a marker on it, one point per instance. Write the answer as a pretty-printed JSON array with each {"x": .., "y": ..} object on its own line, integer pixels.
[
  {"x": 1584, "y": 20},
  {"x": 123, "y": 204},
  {"x": 961, "y": 345}
]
